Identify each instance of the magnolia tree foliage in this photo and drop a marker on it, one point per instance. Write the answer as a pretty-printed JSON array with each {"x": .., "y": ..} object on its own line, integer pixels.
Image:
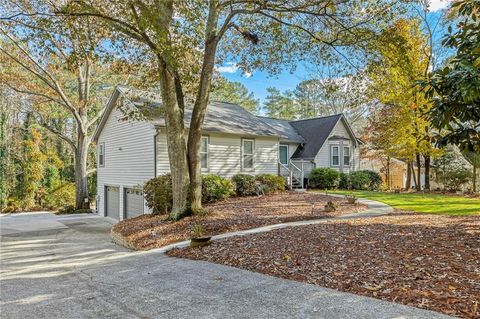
[{"x": 455, "y": 88}]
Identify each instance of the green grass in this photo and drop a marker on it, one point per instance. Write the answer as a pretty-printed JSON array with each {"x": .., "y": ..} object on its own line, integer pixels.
[{"x": 423, "y": 203}]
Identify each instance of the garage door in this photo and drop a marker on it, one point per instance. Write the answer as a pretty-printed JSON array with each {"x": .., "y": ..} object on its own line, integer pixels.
[
  {"x": 133, "y": 202},
  {"x": 112, "y": 207}
]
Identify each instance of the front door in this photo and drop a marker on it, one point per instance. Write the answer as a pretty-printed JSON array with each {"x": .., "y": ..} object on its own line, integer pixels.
[{"x": 283, "y": 154}]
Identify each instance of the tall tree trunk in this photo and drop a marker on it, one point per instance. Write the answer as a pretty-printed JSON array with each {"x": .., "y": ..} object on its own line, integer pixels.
[
  {"x": 427, "y": 160},
  {"x": 389, "y": 177},
  {"x": 177, "y": 149},
  {"x": 200, "y": 108},
  {"x": 419, "y": 172},
  {"x": 81, "y": 156},
  {"x": 474, "y": 181},
  {"x": 409, "y": 176},
  {"x": 414, "y": 177}
]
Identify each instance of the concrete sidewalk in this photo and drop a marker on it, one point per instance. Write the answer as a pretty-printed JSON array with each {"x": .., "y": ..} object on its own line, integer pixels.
[{"x": 74, "y": 271}]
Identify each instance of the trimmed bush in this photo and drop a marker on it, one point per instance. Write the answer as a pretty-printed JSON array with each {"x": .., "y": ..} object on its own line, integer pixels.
[
  {"x": 360, "y": 180},
  {"x": 215, "y": 188},
  {"x": 344, "y": 181},
  {"x": 375, "y": 180},
  {"x": 324, "y": 178},
  {"x": 158, "y": 194},
  {"x": 271, "y": 183},
  {"x": 245, "y": 185}
]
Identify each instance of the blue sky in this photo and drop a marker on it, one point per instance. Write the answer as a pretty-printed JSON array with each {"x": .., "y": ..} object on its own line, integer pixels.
[{"x": 259, "y": 81}]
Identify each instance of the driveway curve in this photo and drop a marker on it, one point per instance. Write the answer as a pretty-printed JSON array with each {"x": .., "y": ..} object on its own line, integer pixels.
[{"x": 69, "y": 268}]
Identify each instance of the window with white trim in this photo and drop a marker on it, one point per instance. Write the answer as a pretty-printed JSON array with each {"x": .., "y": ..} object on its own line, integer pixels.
[
  {"x": 283, "y": 154},
  {"x": 346, "y": 156},
  {"x": 248, "y": 154},
  {"x": 204, "y": 152},
  {"x": 101, "y": 155},
  {"x": 335, "y": 155}
]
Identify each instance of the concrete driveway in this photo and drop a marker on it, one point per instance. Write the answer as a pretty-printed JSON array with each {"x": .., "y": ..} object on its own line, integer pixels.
[{"x": 66, "y": 267}]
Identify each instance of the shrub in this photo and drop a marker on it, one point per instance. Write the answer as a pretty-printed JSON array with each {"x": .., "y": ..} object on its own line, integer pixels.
[
  {"x": 62, "y": 196},
  {"x": 344, "y": 181},
  {"x": 245, "y": 185},
  {"x": 158, "y": 194},
  {"x": 324, "y": 178},
  {"x": 375, "y": 180},
  {"x": 215, "y": 188},
  {"x": 271, "y": 183},
  {"x": 360, "y": 180},
  {"x": 456, "y": 177}
]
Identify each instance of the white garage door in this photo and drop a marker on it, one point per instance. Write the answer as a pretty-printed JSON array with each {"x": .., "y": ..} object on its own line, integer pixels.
[
  {"x": 133, "y": 202},
  {"x": 112, "y": 202}
]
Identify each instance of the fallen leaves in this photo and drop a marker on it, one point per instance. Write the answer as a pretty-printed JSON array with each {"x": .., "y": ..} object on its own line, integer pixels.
[
  {"x": 421, "y": 260},
  {"x": 237, "y": 213}
]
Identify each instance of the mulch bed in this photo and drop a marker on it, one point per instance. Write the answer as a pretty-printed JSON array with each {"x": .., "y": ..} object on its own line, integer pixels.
[
  {"x": 237, "y": 213},
  {"x": 426, "y": 261}
]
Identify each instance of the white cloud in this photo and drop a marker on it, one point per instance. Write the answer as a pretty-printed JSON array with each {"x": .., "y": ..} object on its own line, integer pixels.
[
  {"x": 248, "y": 74},
  {"x": 436, "y": 5},
  {"x": 229, "y": 67}
]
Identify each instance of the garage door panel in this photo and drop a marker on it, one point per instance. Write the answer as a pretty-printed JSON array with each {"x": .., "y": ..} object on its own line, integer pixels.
[
  {"x": 133, "y": 202},
  {"x": 112, "y": 208}
]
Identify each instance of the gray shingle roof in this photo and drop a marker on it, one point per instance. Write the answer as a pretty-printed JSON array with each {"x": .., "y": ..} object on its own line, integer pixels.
[
  {"x": 288, "y": 133},
  {"x": 233, "y": 119},
  {"x": 315, "y": 132},
  {"x": 229, "y": 118}
]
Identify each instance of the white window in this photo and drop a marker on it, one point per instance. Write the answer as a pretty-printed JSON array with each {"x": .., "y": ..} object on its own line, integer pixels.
[
  {"x": 248, "y": 153},
  {"x": 283, "y": 154},
  {"x": 346, "y": 155},
  {"x": 204, "y": 152},
  {"x": 334, "y": 151},
  {"x": 101, "y": 155}
]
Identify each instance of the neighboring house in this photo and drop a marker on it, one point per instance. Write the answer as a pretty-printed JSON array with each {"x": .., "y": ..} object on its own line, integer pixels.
[{"x": 234, "y": 141}]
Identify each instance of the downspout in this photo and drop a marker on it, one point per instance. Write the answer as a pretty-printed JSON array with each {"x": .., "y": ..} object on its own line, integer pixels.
[{"x": 155, "y": 152}]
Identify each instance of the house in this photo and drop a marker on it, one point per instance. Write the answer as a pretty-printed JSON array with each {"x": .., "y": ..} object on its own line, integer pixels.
[{"x": 234, "y": 141}]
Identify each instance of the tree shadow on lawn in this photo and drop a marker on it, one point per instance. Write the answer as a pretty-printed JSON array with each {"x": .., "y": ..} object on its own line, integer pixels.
[{"x": 427, "y": 261}]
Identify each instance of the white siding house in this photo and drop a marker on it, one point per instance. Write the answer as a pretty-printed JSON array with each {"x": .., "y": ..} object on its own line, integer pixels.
[{"x": 130, "y": 152}]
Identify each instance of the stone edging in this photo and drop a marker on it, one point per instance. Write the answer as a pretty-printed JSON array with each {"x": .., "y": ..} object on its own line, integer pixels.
[{"x": 374, "y": 208}]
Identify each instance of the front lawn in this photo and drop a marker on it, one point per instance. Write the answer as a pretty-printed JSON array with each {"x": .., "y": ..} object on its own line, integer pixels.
[
  {"x": 421, "y": 260},
  {"x": 422, "y": 202},
  {"x": 236, "y": 213}
]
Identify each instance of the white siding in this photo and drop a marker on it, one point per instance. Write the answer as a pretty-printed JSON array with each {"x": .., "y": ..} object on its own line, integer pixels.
[
  {"x": 224, "y": 155},
  {"x": 323, "y": 156},
  {"x": 129, "y": 156}
]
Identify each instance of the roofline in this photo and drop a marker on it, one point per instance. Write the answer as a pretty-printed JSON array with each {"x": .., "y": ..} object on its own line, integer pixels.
[
  {"x": 106, "y": 113},
  {"x": 316, "y": 118}
]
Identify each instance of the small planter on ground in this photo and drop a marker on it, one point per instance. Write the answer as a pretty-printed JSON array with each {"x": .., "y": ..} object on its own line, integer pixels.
[
  {"x": 199, "y": 238},
  {"x": 330, "y": 207},
  {"x": 351, "y": 199}
]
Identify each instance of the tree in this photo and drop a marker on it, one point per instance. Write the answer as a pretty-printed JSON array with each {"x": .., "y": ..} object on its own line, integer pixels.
[
  {"x": 54, "y": 60},
  {"x": 474, "y": 160},
  {"x": 455, "y": 88},
  {"x": 259, "y": 34},
  {"x": 280, "y": 105},
  {"x": 400, "y": 63},
  {"x": 233, "y": 92}
]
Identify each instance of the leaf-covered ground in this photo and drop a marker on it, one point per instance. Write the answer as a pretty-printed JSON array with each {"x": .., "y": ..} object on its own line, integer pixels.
[
  {"x": 426, "y": 261},
  {"x": 237, "y": 213}
]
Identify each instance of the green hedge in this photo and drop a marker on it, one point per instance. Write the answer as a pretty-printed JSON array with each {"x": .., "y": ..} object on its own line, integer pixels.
[
  {"x": 158, "y": 194},
  {"x": 216, "y": 188},
  {"x": 245, "y": 185},
  {"x": 271, "y": 183},
  {"x": 360, "y": 180},
  {"x": 324, "y": 178}
]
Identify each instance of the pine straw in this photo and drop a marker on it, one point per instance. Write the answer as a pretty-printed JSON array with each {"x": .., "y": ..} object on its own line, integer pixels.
[
  {"x": 238, "y": 213},
  {"x": 421, "y": 260}
]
